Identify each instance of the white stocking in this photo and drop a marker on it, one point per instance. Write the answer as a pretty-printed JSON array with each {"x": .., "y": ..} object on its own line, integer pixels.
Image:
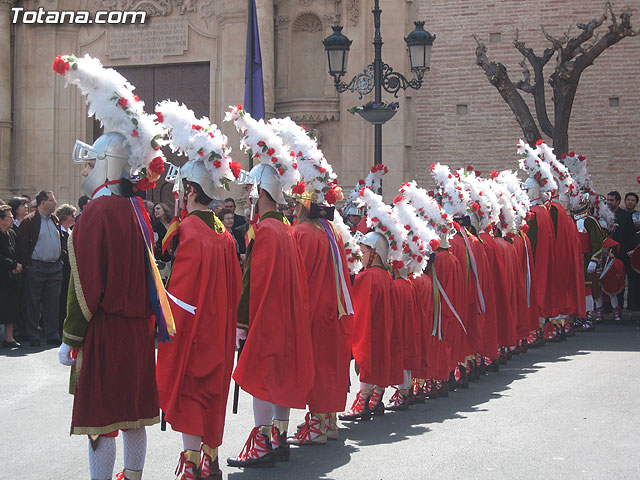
[
  {"x": 589, "y": 301},
  {"x": 102, "y": 459},
  {"x": 262, "y": 412},
  {"x": 281, "y": 413},
  {"x": 366, "y": 386},
  {"x": 407, "y": 380},
  {"x": 614, "y": 301},
  {"x": 135, "y": 448},
  {"x": 599, "y": 303},
  {"x": 191, "y": 442}
]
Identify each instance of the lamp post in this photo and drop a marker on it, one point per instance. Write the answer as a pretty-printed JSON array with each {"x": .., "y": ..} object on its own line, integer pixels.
[{"x": 378, "y": 75}]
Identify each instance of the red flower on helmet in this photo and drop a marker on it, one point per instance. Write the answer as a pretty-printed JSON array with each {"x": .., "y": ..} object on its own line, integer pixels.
[
  {"x": 217, "y": 163},
  {"x": 433, "y": 167},
  {"x": 322, "y": 169},
  {"x": 582, "y": 158},
  {"x": 235, "y": 169},
  {"x": 159, "y": 117},
  {"x": 196, "y": 127},
  {"x": 397, "y": 264},
  {"x": 295, "y": 166},
  {"x": 475, "y": 206},
  {"x": 145, "y": 184},
  {"x": 444, "y": 229},
  {"x": 281, "y": 171},
  {"x": 261, "y": 143},
  {"x": 134, "y": 134},
  {"x": 407, "y": 227},
  {"x": 123, "y": 102},
  {"x": 434, "y": 243},
  {"x": 361, "y": 182},
  {"x": 539, "y": 142},
  {"x": 60, "y": 65},
  {"x": 271, "y": 151},
  {"x": 330, "y": 197},
  {"x": 157, "y": 165},
  {"x": 469, "y": 168},
  {"x": 572, "y": 154},
  {"x": 274, "y": 159},
  {"x": 399, "y": 198},
  {"x": 494, "y": 174},
  {"x": 136, "y": 98},
  {"x": 299, "y": 188},
  {"x": 201, "y": 152},
  {"x": 524, "y": 228}
]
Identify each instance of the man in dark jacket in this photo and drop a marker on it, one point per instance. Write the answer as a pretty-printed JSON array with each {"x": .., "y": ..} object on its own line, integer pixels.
[
  {"x": 240, "y": 226},
  {"x": 39, "y": 249},
  {"x": 623, "y": 234}
]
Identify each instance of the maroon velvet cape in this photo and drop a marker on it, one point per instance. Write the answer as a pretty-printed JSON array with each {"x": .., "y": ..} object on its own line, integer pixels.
[
  {"x": 194, "y": 370},
  {"x": 373, "y": 326},
  {"x": 507, "y": 335},
  {"x": 423, "y": 286},
  {"x": 330, "y": 335},
  {"x": 276, "y": 364},
  {"x": 115, "y": 371},
  {"x": 407, "y": 314}
]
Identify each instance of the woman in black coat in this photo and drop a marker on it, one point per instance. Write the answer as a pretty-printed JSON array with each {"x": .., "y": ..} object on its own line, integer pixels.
[{"x": 10, "y": 270}]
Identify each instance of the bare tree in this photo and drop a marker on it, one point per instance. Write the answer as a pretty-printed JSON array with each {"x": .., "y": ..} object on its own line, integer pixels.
[{"x": 573, "y": 55}]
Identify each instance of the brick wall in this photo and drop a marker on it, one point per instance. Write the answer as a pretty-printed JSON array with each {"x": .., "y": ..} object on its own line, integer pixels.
[{"x": 486, "y": 135}]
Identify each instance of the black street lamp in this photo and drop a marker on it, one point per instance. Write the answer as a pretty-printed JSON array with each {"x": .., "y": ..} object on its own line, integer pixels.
[{"x": 378, "y": 75}]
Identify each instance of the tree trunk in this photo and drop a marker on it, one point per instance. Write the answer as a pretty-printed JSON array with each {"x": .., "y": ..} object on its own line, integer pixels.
[{"x": 564, "y": 92}]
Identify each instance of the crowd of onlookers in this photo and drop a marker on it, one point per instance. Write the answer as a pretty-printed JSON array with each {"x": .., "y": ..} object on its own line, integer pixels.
[{"x": 35, "y": 269}]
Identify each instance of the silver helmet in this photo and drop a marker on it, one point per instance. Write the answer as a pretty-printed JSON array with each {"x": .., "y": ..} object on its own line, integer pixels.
[
  {"x": 111, "y": 156},
  {"x": 267, "y": 178},
  {"x": 351, "y": 209},
  {"x": 379, "y": 243},
  {"x": 195, "y": 171}
]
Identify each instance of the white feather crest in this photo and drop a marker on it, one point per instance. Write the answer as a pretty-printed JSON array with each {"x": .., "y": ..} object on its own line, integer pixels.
[
  {"x": 538, "y": 170},
  {"x": 265, "y": 146},
  {"x": 455, "y": 198},
  {"x": 198, "y": 139},
  {"x": 111, "y": 100},
  {"x": 373, "y": 179},
  {"x": 577, "y": 165},
  {"x": 417, "y": 246},
  {"x": 507, "y": 216},
  {"x": 602, "y": 211},
  {"x": 428, "y": 209},
  {"x": 381, "y": 218},
  {"x": 559, "y": 171},
  {"x": 520, "y": 199},
  {"x": 351, "y": 247},
  {"x": 479, "y": 202},
  {"x": 315, "y": 170}
]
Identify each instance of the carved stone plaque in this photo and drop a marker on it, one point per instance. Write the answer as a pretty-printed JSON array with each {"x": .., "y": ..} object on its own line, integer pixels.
[{"x": 160, "y": 36}]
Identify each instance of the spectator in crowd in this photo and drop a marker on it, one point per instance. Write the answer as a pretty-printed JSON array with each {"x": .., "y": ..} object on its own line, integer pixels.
[
  {"x": 10, "y": 271},
  {"x": 161, "y": 219},
  {"x": 630, "y": 204},
  {"x": 226, "y": 217},
  {"x": 67, "y": 215},
  {"x": 217, "y": 206},
  {"x": 82, "y": 202},
  {"x": 39, "y": 250},
  {"x": 149, "y": 206},
  {"x": 19, "y": 210},
  {"x": 623, "y": 234},
  {"x": 239, "y": 227},
  {"x": 247, "y": 216},
  {"x": 29, "y": 202}
]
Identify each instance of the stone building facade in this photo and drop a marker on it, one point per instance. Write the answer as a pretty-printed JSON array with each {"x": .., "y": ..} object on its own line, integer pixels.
[{"x": 194, "y": 51}]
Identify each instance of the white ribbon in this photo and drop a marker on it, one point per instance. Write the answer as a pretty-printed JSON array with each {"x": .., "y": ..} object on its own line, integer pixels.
[
  {"x": 526, "y": 250},
  {"x": 474, "y": 268},
  {"x": 183, "y": 305},
  {"x": 446, "y": 299}
]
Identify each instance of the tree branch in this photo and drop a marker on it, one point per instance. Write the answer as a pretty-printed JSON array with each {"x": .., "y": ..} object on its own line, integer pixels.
[
  {"x": 498, "y": 77},
  {"x": 537, "y": 89},
  {"x": 525, "y": 83}
]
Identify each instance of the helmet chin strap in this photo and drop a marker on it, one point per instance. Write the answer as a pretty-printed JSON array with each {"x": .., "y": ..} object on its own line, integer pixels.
[{"x": 110, "y": 182}]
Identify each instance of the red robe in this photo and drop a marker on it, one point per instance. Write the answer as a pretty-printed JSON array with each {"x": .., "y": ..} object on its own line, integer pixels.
[
  {"x": 507, "y": 336},
  {"x": 276, "y": 364},
  {"x": 496, "y": 297},
  {"x": 406, "y": 313},
  {"x": 115, "y": 372},
  {"x": 542, "y": 239},
  {"x": 449, "y": 274},
  {"x": 373, "y": 326},
  {"x": 330, "y": 335},
  {"x": 523, "y": 319},
  {"x": 424, "y": 295},
  {"x": 194, "y": 370},
  {"x": 568, "y": 287}
]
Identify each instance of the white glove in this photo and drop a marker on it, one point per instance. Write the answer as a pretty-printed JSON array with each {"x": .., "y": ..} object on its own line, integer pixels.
[
  {"x": 592, "y": 267},
  {"x": 241, "y": 334},
  {"x": 64, "y": 355}
]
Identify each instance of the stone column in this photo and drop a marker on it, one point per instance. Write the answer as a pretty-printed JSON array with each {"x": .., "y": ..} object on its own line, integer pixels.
[{"x": 6, "y": 85}]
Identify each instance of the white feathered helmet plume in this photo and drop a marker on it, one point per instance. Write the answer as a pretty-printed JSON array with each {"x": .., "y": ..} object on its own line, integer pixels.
[
  {"x": 603, "y": 212},
  {"x": 351, "y": 247},
  {"x": 539, "y": 172},
  {"x": 373, "y": 179},
  {"x": 577, "y": 165},
  {"x": 112, "y": 102},
  {"x": 200, "y": 141},
  {"x": 480, "y": 204},
  {"x": 507, "y": 216},
  {"x": 318, "y": 182},
  {"x": 266, "y": 148},
  {"x": 455, "y": 198},
  {"x": 417, "y": 246},
  {"x": 432, "y": 212},
  {"x": 382, "y": 220},
  {"x": 566, "y": 184},
  {"x": 520, "y": 200}
]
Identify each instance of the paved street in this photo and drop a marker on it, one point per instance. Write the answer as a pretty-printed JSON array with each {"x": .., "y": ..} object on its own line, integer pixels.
[{"x": 566, "y": 410}]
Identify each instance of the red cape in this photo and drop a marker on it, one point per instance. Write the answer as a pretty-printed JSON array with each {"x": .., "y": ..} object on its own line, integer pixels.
[
  {"x": 276, "y": 364},
  {"x": 544, "y": 260},
  {"x": 407, "y": 313},
  {"x": 373, "y": 326},
  {"x": 116, "y": 381},
  {"x": 449, "y": 273},
  {"x": 568, "y": 287},
  {"x": 330, "y": 335},
  {"x": 423, "y": 286},
  {"x": 523, "y": 316},
  {"x": 194, "y": 370},
  {"x": 507, "y": 327},
  {"x": 498, "y": 310}
]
